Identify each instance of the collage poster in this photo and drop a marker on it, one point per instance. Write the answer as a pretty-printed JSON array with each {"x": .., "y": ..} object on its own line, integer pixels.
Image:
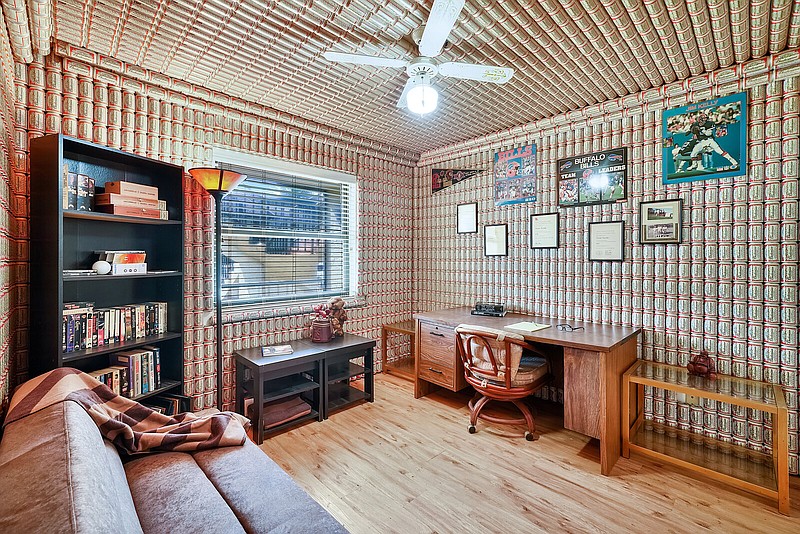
[
  {"x": 705, "y": 140},
  {"x": 515, "y": 176},
  {"x": 441, "y": 178},
  {"x": 596, "y": 178}
]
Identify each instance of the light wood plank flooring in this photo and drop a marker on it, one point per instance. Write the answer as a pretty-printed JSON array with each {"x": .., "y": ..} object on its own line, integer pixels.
[{"x": 410, "y": 466}]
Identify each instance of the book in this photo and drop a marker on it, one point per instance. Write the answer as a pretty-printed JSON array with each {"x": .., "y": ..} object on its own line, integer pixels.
[
  {"x": 130, "y": 211},
  {"x": 122, "y": 256},
  {"x": 526, "y": 326},
  {"x": 84, "y": 184},
  {"x": 276, "y": 350},
  {"x": 72, "y": 191},
  {"x": 132, "y": 189},
  {"x": 126, "y": 200},
  {"x": 79, "y": 272}
]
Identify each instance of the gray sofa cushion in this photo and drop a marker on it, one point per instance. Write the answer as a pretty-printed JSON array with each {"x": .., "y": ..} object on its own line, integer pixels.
[
  {"x": 261, "y": 494},
  {"x": 57, "y": 474}
]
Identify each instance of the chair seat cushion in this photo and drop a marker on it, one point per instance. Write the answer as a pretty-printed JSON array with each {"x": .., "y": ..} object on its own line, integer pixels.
[{"x": 531, "y": 369}]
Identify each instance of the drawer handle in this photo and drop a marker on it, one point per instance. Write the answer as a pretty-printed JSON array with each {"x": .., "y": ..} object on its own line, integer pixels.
[
  {"x": 432, "y": 370},
  {"x": 436, "y": 334}
]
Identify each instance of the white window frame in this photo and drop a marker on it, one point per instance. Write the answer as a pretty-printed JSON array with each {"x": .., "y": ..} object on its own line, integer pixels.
[{"x": 290, "y": 168}]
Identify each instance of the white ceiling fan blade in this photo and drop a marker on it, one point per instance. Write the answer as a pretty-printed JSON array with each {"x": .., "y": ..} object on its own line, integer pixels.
[
  {"x": 402, "y": 101},
  {"x": 359, "y": 59},
  {"x": 444, "y": 14},
  {"x": 481, "y": 73}
]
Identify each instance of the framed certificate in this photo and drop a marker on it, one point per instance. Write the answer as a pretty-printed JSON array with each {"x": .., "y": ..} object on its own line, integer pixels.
[
  {"x": 544, "y": 230},
  {"x": 607, "y": 241},
  {"x": 467, "y": 218},
  {"x": 495, "y": 240}
]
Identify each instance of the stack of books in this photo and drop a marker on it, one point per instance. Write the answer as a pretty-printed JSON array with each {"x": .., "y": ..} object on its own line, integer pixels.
[
  {"x": 131, "y": 199},
  {"x": 85, "y": 327},
  {"x": 133, "y": 372}
]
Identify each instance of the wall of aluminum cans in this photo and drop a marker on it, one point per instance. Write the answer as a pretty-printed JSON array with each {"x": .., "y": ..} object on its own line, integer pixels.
[
  {"x": 90, "y": 96},
  {"x": 730, "y": 288}
]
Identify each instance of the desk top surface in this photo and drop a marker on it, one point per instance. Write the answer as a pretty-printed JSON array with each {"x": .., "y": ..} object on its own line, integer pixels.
[
  {"x": 594, "y": 337},
  {"x": 306, "y": 349}
]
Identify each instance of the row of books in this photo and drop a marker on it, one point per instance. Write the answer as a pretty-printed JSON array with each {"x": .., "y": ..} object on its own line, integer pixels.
[
  {"x": 133, "y": 372},
  {"x": 120, "y": 198},
  {"x": 85, "y": 327}
]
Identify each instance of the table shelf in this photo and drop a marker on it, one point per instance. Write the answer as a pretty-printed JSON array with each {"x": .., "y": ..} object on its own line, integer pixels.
[
  {"x": 345, "y": 372},
  {"x": 764, "y": 474},
  {"x": 344, "y": 397},
  {"x": 287, "y": 386},
  {"x": 402, "y": 367}
]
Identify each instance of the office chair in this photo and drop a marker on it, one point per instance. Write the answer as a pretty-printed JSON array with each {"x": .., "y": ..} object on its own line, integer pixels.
[{"x": 495, "y": 366}]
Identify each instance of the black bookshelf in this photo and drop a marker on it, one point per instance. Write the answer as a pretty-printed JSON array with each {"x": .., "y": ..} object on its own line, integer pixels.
[{"x": 67, "y": 239}]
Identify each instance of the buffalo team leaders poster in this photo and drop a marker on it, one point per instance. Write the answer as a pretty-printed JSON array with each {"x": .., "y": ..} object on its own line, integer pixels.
[
  {"x": 705, "y": 140},
  {"x": 515, "y": 176},
  {"x": 595, "y": 178}
]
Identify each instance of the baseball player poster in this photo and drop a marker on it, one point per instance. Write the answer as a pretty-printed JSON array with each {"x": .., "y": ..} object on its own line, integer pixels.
[
  {"x": 705, "y": 140},
  {"x": 596, "y": 178},
  {"x": 515, "y": 176}
]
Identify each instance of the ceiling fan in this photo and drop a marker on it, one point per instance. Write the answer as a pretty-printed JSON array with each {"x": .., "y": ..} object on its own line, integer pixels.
[{"x": 419, "y": 95}]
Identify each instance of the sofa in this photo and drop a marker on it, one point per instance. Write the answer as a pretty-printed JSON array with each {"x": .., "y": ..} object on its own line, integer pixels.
[{"x": 57, "y": 474}]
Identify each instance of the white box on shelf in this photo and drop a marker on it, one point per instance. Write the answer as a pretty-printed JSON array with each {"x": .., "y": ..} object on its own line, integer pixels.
[{"x": 129, "y": 268}]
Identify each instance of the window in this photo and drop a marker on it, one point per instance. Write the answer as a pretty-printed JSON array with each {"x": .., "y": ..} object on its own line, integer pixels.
[{"x": 287, "y": 236}]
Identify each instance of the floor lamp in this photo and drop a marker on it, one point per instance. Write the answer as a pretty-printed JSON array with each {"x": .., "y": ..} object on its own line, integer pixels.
[{"x": 218, "y": 183}]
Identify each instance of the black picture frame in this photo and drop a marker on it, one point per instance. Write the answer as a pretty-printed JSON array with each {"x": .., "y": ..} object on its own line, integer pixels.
[
  {"x": 553, "y": 236},
  {"x": 671, "y": 227},
  {"x": 498, "y": 249},
  {"x": 607, "y": 241},
  {"x": 467, "y": 211}
]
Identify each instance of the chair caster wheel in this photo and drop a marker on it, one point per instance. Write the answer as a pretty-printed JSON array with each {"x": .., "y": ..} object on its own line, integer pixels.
[
  {"x": 529, "y": 436},
  {"x": 472, "y": 429}
]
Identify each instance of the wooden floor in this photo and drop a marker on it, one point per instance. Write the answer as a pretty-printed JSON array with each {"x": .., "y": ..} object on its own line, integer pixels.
[{"x": 406, "y": 465}]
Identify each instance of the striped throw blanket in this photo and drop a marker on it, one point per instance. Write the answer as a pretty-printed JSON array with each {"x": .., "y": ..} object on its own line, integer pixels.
[{"x": 126, "y": 423}]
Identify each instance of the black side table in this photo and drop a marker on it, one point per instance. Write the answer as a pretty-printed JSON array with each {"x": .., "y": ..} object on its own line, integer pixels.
[{"x": 319, "y": 372}]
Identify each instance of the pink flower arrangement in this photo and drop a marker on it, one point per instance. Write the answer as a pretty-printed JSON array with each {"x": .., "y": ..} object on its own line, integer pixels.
[{"x": 322, "y": 311}]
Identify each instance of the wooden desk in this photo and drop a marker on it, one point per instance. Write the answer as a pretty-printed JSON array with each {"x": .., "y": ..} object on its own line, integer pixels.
[{"x": 595, "y": 359}]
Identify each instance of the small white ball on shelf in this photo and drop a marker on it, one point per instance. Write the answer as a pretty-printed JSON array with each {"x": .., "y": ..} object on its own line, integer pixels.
[{"x": 101, "y": 267}]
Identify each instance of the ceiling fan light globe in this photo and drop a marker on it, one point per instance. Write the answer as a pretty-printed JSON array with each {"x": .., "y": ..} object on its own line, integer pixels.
[{"x": 422, "y": 99}]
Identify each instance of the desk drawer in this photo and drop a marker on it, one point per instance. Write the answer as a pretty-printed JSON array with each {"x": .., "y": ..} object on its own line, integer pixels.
[
  {"x": 437, "y": 346},
  {"x": 438, "y": 374}
]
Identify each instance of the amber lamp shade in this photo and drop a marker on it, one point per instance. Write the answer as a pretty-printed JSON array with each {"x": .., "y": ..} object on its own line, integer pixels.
[{"x": 217, "y": 180}]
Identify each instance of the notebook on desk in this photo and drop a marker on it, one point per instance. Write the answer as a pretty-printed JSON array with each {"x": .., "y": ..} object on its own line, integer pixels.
[{"x": 526, "y": 327}]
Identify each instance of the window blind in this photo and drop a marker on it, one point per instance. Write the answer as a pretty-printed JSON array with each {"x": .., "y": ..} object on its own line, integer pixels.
[{"x": 285, "y": 238}]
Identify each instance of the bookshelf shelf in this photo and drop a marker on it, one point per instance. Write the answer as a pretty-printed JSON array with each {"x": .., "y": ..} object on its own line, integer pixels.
[
  {"x": 65, "y": 239},
  {"x": 116, "y": 347},
  {"x": 110, "y": 278},
  {"x": 110, "y": 217}
]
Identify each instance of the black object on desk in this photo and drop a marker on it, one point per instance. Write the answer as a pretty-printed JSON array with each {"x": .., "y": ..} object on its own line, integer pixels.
[{"x": 319, "y": 372}]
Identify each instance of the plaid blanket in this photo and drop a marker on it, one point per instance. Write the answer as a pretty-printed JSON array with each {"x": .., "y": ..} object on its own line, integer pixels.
[{"x": 126, "y": 423}]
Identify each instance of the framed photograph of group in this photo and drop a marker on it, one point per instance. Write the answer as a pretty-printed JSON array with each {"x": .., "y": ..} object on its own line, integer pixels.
[
  {"x": 596, "y": 178},
  {"x": 607, "y": 241},
  {"x": 660, "y": 221},
  {"x": 705, "y": 140},
  {"x": 515, "y": 176}
]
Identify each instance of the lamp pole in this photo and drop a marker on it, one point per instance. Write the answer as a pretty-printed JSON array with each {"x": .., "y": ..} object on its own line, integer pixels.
[{"x": 218, "y": 287}]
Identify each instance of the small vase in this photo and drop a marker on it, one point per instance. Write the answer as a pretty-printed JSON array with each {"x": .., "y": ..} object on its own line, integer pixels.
[{"x": 321, "y": 330}]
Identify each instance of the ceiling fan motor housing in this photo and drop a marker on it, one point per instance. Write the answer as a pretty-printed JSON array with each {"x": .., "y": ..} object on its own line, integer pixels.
[{"x": 421, "y": 66}]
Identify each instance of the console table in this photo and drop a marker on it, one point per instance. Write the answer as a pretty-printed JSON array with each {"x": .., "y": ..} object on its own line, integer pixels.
[
  {"x": 595, "y": 359},
  {"x": 319, "y": 372},
  {"x": 761, "y": 473}
]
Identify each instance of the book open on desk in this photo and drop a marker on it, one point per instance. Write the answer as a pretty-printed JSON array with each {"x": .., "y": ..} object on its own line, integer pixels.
[
  {"x": 526, "y": 327},
  {"x": 276, "y": 350}
]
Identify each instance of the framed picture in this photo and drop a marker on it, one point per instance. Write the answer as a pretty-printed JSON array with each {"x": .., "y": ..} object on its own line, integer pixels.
[
  {"x": 544, "y": 230},
  {"x": 467, "y": 218},
  {"x": 596, "y": 178},
  {"x": 607, "y": 241},
  {"x": 515, "y": 176},
  {"x": 495, "y": 240},
  {"x": 660, "y": 221},
  {"x": 705, "y": 140}
]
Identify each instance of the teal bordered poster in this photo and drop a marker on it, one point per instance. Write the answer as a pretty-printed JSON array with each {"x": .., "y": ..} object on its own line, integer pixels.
[
  {"x": 515, "y": 176},
  {"x": 705, "y": 140}
]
